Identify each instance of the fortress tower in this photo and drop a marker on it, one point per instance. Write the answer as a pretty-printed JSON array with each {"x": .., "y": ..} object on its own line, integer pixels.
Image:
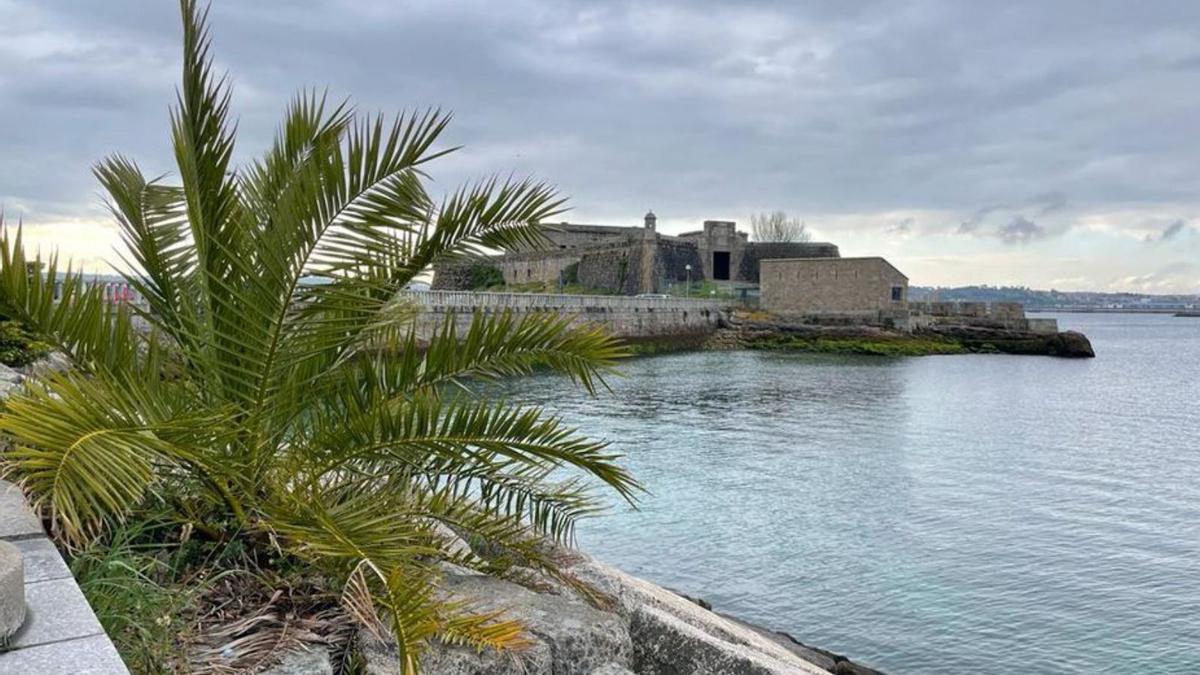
[{"x": 649, "y": 282}]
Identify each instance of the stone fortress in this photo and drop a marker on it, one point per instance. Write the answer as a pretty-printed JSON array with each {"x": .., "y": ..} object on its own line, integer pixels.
[
  {"x": 808, "y": 281},
  {"x": 635, "y": 260}
]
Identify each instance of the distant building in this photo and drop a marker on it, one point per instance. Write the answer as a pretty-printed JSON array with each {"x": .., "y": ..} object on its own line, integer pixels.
[
  {"x": 859, "y": 289},
  {"x": 633, "y": 260}
]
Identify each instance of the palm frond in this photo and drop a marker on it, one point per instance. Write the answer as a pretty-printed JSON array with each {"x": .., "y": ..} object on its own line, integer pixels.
[
  {"x": 467, "y": 432},
  {"x": 85, "y": 447},
  {"x": 64, "y": 310}
]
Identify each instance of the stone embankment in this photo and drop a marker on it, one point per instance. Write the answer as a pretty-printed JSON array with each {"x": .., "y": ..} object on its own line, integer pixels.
[
  {"x": 642, "y": 628},
  {"x": 771, "y": 332},
  {"x": 657, "y": 319}
]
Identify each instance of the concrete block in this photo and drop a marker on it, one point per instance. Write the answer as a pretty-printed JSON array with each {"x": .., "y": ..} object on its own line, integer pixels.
[
  {"x": 57, "y": 611},
  {"x": 93, "y": 655},
  {"x": 42, "y": 560},
  {"x": 12, "y": 591},
  {"x": 16, "y": 518}
]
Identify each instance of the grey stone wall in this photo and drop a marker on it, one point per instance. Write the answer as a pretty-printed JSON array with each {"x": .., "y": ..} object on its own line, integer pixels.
[
  {"x": 615, "y": 269},
  {"x": 534, "y": 267},
  {"x": 756, "y": 252},
  {"x": 452, "y": 276},
  {"x": 718, "y": 236},
  {"x": 842, "y": 287},
  {"x": 672, "y": 258},
  {"x": 567, "y": 236},
  {"x": 632, "y": 318}
]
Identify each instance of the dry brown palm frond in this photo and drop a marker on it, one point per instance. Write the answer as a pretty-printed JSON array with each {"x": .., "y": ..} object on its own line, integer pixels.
[{"x": 252, "y": 626}]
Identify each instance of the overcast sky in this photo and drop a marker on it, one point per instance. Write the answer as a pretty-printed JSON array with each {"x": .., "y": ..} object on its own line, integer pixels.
[{"x": 1047, "y": 144}]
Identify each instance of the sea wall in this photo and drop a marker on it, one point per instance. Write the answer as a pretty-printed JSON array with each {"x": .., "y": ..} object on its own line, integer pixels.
[{"x": 632, "y": 318}]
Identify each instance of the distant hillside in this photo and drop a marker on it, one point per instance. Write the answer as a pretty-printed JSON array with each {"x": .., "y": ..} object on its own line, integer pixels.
[{"x": 1035, "y": 299}]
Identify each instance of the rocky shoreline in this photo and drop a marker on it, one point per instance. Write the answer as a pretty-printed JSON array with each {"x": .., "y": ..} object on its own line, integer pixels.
[
  {"x": 638, "y": 628},
  {"x": 775, "y": 333}
]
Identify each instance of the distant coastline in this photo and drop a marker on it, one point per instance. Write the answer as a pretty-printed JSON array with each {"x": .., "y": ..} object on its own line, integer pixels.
[{"x": 1109, "y": 310}]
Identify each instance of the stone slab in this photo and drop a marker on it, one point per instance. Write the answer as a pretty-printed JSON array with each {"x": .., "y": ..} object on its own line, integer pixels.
[
  {"x": 42, "y": 560},
  {"x": 16, "y": 518},
  {"x": 93, "y": 655},
  {"x": 57, "y": 611},
  {"x": 12, "y": 590}
]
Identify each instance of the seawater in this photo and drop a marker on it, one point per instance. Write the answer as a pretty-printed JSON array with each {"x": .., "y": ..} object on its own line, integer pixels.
[{"x": 946, "y": 514}]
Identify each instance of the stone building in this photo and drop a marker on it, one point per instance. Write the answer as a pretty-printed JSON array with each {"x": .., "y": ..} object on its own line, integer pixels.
[
  {"x": 633, "y": 260},
  {"x": 857, "y": 289}
]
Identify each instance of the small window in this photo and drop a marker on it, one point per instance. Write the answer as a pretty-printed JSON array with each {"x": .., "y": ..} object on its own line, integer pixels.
[{"x": 897, "y": 293}]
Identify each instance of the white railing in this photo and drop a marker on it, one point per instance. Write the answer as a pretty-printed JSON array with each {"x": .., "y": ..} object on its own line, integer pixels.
[{"x": 554, "y": 301}]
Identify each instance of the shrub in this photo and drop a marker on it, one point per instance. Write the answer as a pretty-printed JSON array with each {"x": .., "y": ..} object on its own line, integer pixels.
[
  {"x": 484, "y": 275},
  {"x": 18, "y": 346}
]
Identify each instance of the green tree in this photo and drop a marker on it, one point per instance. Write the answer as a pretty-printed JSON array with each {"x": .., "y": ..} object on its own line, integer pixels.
[
  {"x": 306, "y": 416},
  {"x": 482, "y": 275}
]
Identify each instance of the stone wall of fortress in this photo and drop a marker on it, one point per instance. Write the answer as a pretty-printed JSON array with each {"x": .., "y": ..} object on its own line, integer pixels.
[
  {"x": 852, "y": 288},
  {"x": 630, "y": 318},
  {"x": 523, "y": 268}
]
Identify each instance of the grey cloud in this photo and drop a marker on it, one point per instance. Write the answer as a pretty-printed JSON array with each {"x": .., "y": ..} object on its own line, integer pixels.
[
  {"x": 972, "y": 224},
  {"x": 1049, "y": 202},
  {"x": 702, "y": 109},
  {"x": 1171, "y": 231},
  {"x": 1020, "y": 230},
  {"x": 1044, "y": 204}
]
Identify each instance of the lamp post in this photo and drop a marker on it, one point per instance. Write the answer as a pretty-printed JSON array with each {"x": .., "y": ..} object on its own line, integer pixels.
[{"x": 688, "y": 291}]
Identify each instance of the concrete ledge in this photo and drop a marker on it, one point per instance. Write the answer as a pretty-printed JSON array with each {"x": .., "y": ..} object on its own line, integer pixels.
[
  {"x": 57, "y": 612},
  {"x": 17, "y": 520},
  {"x": 42, "y": 561},
  {"x": 12, "y": 591},
  {"x": 93, "y": 655},
  {"x": 59, "y": 633}
]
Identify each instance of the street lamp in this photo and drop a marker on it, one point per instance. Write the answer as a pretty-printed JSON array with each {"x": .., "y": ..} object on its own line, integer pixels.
[{"x": 688, "y": 291}]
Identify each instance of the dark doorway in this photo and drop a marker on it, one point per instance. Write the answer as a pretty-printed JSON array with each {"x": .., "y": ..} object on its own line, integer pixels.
[{"x": 721, "y": 265}]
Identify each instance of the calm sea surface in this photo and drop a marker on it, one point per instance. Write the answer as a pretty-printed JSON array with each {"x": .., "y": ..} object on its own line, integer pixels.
[{"x": 946, "y": 514}]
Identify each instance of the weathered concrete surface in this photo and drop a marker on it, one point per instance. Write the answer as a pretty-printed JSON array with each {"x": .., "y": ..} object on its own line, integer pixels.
[
  {"x": 57, "y": 612},
  {"x": 12, "y": 591},
  {"x": 42, "y": 560},
  {"x": 17, "y": 520},
  {"x": 568, "y": 636},
  {"x": 648, "y": 630},
  {"x": 674, "y": 635},
  {"x": 86, "y": 656},
  {"x": 60, "y": 634}
]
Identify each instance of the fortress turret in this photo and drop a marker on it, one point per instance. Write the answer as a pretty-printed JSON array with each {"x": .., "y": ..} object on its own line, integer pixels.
[{"x": 651, "y": 220}]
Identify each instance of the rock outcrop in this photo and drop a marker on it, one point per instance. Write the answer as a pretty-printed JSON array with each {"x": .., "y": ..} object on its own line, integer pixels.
[
  {"x": 649, "y": 630},
  {"x": 738, "y": 333},
  {"x": 567, "y": 635},
  {"x": 9, "y": 380},
  {"x": 1068, "y": 344}
]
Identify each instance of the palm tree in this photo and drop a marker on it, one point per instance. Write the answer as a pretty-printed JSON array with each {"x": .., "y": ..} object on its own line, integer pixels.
[{"x": 299, "y": 414}]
